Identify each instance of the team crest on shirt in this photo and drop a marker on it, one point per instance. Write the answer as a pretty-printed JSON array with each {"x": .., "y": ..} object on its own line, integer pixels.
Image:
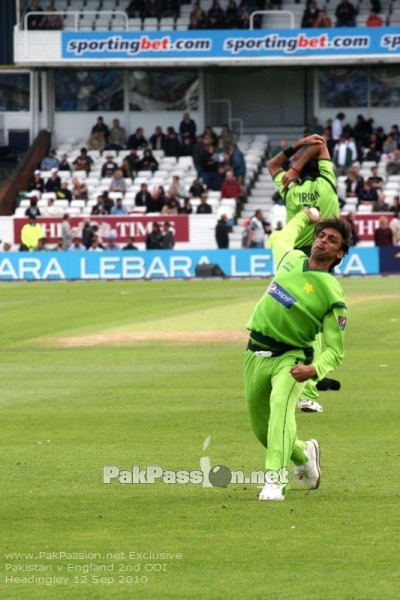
[
  {"x": 342, "y": 323},
  {"x": 280, "y": 294}
]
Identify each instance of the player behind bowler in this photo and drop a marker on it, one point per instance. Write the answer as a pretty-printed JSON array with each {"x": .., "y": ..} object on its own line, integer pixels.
[
  {"x": 310, "y": 182},
  {"x": 302, "y": 300}
]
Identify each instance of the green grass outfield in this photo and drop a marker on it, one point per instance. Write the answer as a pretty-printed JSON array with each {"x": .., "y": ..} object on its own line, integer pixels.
[{"x": 141, "y": 373}]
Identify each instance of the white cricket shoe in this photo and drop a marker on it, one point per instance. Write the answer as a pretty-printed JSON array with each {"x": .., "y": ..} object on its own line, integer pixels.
[
  {"x": 309, "y": 406},
  {"x": 310, "y": 473},
  {"x": 272, "y": 491}
]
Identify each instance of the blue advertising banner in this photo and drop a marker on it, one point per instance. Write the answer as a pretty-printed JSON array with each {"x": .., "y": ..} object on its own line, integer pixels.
[
  {"x": 175, "y": 264},
  {"x": 260, "y": 43},
  {"x": 389, "y": 259}
]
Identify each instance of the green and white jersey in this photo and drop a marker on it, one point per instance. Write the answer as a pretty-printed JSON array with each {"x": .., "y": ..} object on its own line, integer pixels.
[
  {"x": 300, "y": 303},
  {"x": 312, "y": 193}
]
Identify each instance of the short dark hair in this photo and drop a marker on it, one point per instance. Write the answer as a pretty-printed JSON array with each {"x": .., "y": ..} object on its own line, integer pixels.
[
  {"x": 310, "y": 169},
  {"x": 342, "y": 227}
]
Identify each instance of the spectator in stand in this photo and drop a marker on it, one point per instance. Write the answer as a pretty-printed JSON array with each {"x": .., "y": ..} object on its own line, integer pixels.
[
  {"x": 372, "y": 152},
  {"x": 99, "y": 208},
  {"x": 362, "y": 130},
  {"x": 310, "y": 15},
  {"x": 231, "y": 188},
  {"x": 367, "y": 195},
  {"x": 135, "y": 9},
  {"x": 197, "y": 17},
  {"x": 396, "y": 204},
  {"x": 64, "y": 193},
  {"x": 111, "y": 243},
  {"x": 227, "y": 136},
  {"x": 393, "y": 165},
  {"x": 196, "y": 189},
  {"x": 158, "y": 139},
  {"x": 119, "y": 209},
  {"x": 394, "y": 130},
  {"x": 102, "y": 128},
  {"x": 52, "y": 209},
  {"x": 217, "y": 178},
  {"x": 155, "y": 202},
  {"x": 380, "y": 205},
  {"x": 53, "y": 184},
  {"x": 211, "y": 136},
  {"x": 215, "y": 16},
  {"x": 187, "y": 208},
  {"x": 95, "y": 245},
  {"x": 168, "y": 238},
  {"x": 137, "y": 141},
  {"x": 172, "y": 145},
  {"x": 152, "y": 9},
  {"x": 354, "y": 182},
  {"x": 153, "y": 238},
  {"x": 209, "y": 166},
  {"x": 130, "y": 245},
  {"x": 79, "y": 189},
  {"x": 375, "y": 180},
  {"x": 143, "y": 196},
  {"x": 148, "y": 162},
  {"x": 187, "y": 148},
  {"x": 383, "y": 235},
  {"x": 178, "y": 188},
  {"x": 109, "y": 167},
  {"x": 126, "y": 169},
  {"x": 199, "y": 153},
  {"x": 323, "y": 21},
  {"x": 34, "y": 22},
  {"x": 237, "y": 162},
  {"x": 171, "y": 206},
  {"x": 337, "y": 126},
  {"x": 344, "y": 155},
  {"x": 187, "y": 128},
  {"x": 395, "y": 227},
  {"x": 32, "y": 210},
  {"x": 352, "y": 223},
  {"x": 117, "y": 137},
  {"x": 64, "y": 164},
  {"x": 96, "y": 141},
  {"x": 330, "y": 142},
  {"x": 203, "y": 208},
  {"x": 83, "y": 162},
  {"x": 76, "y": 245},
  {"x": 51, "y": 22},
  {"x": 108, "y": 202},
  {"x": 59, "y": 246},
  {"x": 118, "y": 182},
  {"x": 244, "y": 14},
  {"x": 41, "y": 245},
  {"x": 133, "y": 160},
  {"x": 50, "y": 161},
  {"x": 389, "y": 145},
  {"x": 37, "y": 182},
  {"x": 231, "y": 15},
  {"x": 374, "y": 20},
  {"x": 345, "y": 14},
  {"x": 222, "y": 232}
]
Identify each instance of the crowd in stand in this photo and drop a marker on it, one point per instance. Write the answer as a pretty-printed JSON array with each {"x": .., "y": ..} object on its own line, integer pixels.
[
  {"x": 236, "y": 15},
  {"x": 219, "y": 163},
  {"x": 220, "y": 166}
]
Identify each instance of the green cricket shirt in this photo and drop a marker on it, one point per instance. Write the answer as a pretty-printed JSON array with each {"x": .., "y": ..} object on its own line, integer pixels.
[
  {"x": 300, "y": 303},
  {"x": 318, "y": 193}
]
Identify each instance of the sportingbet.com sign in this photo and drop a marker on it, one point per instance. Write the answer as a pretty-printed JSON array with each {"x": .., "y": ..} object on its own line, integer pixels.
[{"x": 233, "y": 44}]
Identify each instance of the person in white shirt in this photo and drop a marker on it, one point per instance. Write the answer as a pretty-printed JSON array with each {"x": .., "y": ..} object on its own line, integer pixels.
[{"x": 337, "y": 126}]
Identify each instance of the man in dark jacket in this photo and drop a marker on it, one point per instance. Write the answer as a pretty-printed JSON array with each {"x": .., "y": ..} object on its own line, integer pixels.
[{"x": 222, "y": 232}]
